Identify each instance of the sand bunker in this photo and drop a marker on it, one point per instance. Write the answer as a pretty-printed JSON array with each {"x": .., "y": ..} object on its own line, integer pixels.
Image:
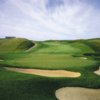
[
  {"x": 49, "y": 73},
  {"x": 83, "y": 57},
  {"x": 97, "y": 71},
  {"x": 76, "y": 93},
  {"x": 31, "y": 47},
  {"x": 1, "y": 60}
]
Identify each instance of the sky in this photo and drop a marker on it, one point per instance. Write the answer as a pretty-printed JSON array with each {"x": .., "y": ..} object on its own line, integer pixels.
[{"x": 50, "y": 19}]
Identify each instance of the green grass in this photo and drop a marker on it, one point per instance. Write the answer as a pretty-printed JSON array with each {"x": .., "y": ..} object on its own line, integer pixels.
[
  {"x": 67, "y": 55},
  {"x": 17, "y": 86},
  {"x": 95, "y": 44},
  {"x": 62, "y": 47},
  {"x": 52, "y": 61},
  {"x": 15, "y": 44}
]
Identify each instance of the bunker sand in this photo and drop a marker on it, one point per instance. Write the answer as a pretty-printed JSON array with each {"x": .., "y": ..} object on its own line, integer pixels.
[
  {"x": 1, "y": 60},
  {"x": 48, "y": 73},
  {"x": 97, "y": 71},
  {"x": 76, "y": 93},
  {"x": 31, "y": 47}
]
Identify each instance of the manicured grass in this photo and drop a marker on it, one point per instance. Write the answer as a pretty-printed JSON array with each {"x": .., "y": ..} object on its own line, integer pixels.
[
  {"x": 52, "y": 61},
  {"x": 62, "y": 47},
  {"x": 17, "y": 86},
  {"x": 68, "y": 55}
]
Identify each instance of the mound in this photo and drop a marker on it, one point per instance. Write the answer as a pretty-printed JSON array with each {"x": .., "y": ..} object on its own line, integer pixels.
[
  {"x": 15, "y": 44},
  {"x": 68, "y": 47}
]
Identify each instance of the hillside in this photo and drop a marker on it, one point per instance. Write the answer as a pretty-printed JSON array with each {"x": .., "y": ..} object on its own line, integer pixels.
[
  {"x": 68, "y": 46},
  {"x": 52, "y": 46},
  {"x": 95, "y": 44},
  {"x": 15, "y": 44}
]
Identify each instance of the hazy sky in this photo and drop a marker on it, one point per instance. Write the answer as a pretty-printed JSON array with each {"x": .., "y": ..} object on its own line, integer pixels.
[{"x": 50, "y": 19}]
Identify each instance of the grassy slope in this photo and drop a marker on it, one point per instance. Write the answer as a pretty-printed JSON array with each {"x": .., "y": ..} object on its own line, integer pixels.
[
  {"x": 15, "y": 44},
  {"x": 62, "y": 47},
  {"x": 17, "y": 86},
  {"x": 94, "y": 44}
]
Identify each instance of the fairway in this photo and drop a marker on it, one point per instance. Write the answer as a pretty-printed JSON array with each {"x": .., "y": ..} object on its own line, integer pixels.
[
  {"x": 62, "y": 47},
  {"x": 51, "y": 61}
]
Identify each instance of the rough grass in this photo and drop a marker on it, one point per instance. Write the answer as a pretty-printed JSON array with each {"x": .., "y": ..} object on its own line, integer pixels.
[
  {"x": 95, "y": 44},
  {"x": 16, "y": 44}
]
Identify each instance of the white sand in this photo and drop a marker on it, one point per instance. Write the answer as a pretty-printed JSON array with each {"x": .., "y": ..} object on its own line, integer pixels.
[
  {"x": 1, "y": 60},
  {"x": 97, "y": 71},
  {"x": 76, "y": 93},
  {"x": 49, "y": 73},
  {"x": 83, "y": 57}
]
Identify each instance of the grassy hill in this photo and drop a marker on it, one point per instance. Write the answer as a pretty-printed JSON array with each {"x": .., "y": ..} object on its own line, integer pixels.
[
  {"x": 53, "y": 46},
  {"x": 15, "y": 44},
  {"x": 94, "y": 44},
  {"x": 68, "y": 46},
  {"x": 62, "y": 47}
]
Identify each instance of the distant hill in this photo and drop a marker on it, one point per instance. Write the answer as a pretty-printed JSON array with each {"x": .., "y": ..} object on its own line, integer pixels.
[
  {"x": 95, "y": 44},
  {"x": 15, "y": 44},
  {"x": 52, "y": 46},
  {"x": 68, "y": 46}
]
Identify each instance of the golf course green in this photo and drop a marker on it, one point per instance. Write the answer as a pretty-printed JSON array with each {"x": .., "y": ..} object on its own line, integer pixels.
[{"x": 75, "y": 56}]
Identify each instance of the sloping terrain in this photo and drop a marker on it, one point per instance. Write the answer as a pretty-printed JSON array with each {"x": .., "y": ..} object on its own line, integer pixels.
[
  {"x": 94, "y": 44},
  {"x": 15, "y": 44},
  {"x": 65, "y": 47}
]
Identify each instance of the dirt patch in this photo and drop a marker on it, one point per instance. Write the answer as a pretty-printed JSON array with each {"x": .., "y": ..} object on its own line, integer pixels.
[
  {"x": 97, "y": 71},
  {"x": 48, "y": 73},
  {"x": 76, "y": 93}
]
